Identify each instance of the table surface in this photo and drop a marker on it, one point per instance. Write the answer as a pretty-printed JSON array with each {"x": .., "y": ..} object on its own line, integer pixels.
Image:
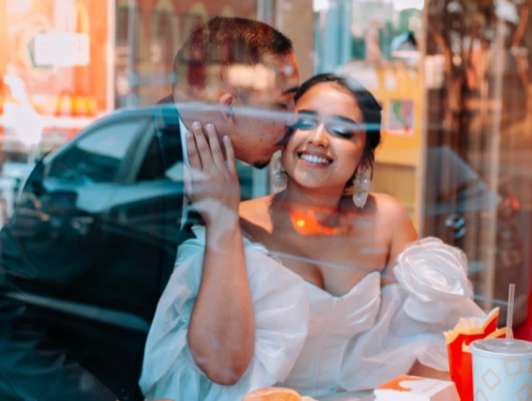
[{"x": 348, "y": 397}]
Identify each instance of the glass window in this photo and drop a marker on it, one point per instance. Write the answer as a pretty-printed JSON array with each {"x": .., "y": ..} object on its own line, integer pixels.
[
  {"x": 97, "y": 156},
  {"x": 381, "y": 207},
  {"x": 152, "y": 167}
]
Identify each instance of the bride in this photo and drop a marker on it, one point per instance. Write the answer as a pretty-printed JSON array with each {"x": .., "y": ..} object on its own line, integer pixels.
[{"x": 315, "y": 288}]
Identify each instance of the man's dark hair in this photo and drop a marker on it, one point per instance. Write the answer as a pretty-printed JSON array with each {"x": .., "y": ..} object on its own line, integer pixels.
[{"x": 226, "y": 41}]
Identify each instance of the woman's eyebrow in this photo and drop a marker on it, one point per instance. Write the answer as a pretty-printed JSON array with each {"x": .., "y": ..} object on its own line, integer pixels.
[
  {"x": 337, "y": 117},
  {"x": 341, "y": 118},
  {"x": 308, "y": 112},
  {"x": 345, "y": 119}
]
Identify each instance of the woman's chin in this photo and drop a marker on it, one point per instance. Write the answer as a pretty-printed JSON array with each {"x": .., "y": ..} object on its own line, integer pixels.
[
  {"x": 314, "y": 182},
  {"x": 313, "y": 185}
]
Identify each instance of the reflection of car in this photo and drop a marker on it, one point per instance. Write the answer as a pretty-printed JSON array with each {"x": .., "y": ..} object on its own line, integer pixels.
[
  {"x": 95, "y": 232},
  {"x": 107, "y": 196}
]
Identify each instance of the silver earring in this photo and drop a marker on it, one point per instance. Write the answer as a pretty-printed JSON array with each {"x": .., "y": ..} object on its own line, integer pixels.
[
  {"x": 362, "y": 187},
  {"x": 281, "y": 178}
]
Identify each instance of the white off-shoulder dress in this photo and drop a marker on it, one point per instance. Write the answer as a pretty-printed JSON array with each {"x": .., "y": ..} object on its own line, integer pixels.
[{"x": 305, "y": 338}]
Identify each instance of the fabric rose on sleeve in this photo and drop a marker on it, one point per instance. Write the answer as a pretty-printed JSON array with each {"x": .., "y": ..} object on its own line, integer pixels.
[{"x": 435, "y": 277}]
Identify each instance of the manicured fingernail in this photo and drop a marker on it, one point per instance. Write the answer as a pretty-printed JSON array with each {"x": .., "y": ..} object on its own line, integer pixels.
[
  {"x": 188, "y": 135},
  {"x": 210, "y": 127},
  {"x": 227, "y": 139},
  {"x": 196, "y": 125}
]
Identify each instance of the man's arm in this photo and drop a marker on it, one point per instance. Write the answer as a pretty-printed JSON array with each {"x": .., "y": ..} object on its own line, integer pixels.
[{"x": 221, "y": 331}]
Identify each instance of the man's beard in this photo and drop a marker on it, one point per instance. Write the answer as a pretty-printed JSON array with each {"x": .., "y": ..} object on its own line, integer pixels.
[
  {"x": 261, "y": 164},
  {"x": 288, "y": 134}
]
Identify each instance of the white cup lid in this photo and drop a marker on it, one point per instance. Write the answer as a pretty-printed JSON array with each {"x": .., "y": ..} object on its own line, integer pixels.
[{"x": 501, "y": 346}]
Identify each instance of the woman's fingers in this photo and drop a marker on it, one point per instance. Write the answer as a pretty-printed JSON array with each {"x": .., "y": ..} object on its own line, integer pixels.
[
  {"x": 192, "y": 151},
  {"x": 213, "y": 188},
  {"x": 216, "y": 150},
  {"x": 203, "y": 147},
  {"x": 230, "y": 154}
]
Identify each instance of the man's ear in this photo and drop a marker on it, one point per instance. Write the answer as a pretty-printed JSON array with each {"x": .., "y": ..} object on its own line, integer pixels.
[{"x": 227, "y": 102}]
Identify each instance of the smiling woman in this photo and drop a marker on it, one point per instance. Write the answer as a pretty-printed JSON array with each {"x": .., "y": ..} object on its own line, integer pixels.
[
  {"x": 315, "y": 273},
  {"x": 150, "y": 249},
  {"x": 338, "y": 127}
]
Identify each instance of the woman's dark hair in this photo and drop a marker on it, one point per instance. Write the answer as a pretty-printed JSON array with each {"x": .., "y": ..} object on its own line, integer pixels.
[{"x": 366, "y": 102}]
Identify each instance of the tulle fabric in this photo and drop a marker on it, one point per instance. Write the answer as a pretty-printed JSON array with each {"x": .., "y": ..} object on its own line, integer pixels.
[
  {"x": 305, "y": 338},
  {"x": 399, "y": 338},
  {"x": 281, "y": 316}
]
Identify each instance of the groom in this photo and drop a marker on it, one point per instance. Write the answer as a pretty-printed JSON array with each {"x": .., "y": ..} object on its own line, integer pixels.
[{"x": 227, "y": 70}]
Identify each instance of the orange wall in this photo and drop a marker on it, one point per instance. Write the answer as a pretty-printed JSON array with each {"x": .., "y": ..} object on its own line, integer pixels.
[
  {"x": 72, "y": 91},
  {"x": 214, "y": 7},
  {"x": 83, "y": 91},
  {"x": 3, "y": 55},
  {"x": 144, "y": 39}
]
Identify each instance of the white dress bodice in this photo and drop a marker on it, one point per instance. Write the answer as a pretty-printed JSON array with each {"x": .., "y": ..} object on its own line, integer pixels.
[
  {"x": 333, "y": 322},
  {"x": 305, "y": 338}
]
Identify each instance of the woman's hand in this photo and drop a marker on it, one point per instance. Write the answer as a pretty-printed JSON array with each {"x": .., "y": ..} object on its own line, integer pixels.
[
  {"x": 211, "y": 184},
  {"x": 221, "y": 331}
]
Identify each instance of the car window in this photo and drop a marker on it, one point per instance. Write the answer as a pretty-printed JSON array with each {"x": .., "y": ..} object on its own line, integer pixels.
[
  {"x": 97, "y": 156},
  {"x": 152, "y": 167},
  {"x": 167, "y": 164},
  {"x": 164, "y": 156}
]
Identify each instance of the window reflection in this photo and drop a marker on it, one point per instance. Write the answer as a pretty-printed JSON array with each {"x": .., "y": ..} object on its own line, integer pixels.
[
  {"x": 92, "y": 190},
  {"x": 98, "y": 155}
]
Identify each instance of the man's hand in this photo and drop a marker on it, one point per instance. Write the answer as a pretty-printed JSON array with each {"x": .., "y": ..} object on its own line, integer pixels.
[{"x": 211, "y": 184}]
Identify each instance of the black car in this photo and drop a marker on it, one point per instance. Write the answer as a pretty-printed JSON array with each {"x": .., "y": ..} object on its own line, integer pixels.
[{"x": 94, "y": 237}]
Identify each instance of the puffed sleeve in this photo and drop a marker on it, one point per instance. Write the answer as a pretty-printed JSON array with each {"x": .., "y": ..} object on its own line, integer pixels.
[
  {"x": 431, "y": 295},
  {"x": 281, "y": 315}
]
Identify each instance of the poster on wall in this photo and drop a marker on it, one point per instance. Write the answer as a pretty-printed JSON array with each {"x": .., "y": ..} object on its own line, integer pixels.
[
  {"x": 401, "y": 117},
  {"x": 56, "y": 70}
]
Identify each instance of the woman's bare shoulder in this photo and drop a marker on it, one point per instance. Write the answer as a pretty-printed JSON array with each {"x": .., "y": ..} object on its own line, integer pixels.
[
  {"x": 395, "y": 225},
  {"x": 393, "y": 215},
  {"x": 389, "y": 208},
  {"x": 255, "y": 210}
]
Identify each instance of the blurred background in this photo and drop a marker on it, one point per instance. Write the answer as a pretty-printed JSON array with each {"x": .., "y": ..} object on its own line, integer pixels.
[{"x": 453, "y": 78}]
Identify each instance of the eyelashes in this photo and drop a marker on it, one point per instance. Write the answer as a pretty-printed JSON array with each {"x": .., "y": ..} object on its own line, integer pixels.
[{"x": 333, "y": 128}]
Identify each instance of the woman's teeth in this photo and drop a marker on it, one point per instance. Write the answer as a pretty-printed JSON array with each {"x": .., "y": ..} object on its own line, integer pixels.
[{"x": 314, "y": 159}]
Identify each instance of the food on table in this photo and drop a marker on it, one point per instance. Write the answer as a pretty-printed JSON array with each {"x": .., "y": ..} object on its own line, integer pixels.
[
  {"x": 276, "y": 394},
  {"x": 412, "y": 388},
  {"x": 458, "y": 339}
]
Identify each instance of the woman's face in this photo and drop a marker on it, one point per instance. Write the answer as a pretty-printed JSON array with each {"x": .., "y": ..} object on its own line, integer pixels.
[{"x": 329, "y": 140}]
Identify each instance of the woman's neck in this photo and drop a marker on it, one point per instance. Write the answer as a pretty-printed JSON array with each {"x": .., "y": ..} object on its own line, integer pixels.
[
  {"x": 326, "y": 199},
  {"x": 321, "y": 207}
]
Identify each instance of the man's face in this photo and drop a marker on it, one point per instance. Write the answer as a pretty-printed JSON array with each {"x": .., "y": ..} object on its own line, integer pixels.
[{"x": 261, "y": 128}]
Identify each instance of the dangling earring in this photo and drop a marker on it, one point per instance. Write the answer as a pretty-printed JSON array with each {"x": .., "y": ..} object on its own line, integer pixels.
[
  {"x": 280, "y": 178},
  {"x": 362, "y": 186}
]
